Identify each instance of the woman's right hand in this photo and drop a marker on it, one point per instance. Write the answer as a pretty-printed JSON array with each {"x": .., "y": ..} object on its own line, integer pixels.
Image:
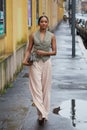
[{"x": 25, "y": 63}]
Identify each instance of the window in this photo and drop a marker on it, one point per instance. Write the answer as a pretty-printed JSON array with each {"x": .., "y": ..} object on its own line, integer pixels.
[
  {"x": 37, "y": 11},
  {"x": 2, "y": 17},
  {"x": 29, "y": 13}
]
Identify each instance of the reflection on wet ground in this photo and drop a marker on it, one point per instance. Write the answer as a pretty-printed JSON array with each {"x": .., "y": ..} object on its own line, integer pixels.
[{"x": 76, "y": 110}]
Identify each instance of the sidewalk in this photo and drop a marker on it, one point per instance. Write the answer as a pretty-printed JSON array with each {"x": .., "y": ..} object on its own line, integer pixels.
[{"x": 69, "y": 81}]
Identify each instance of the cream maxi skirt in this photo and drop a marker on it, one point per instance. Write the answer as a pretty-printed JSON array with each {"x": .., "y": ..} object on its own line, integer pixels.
[{"x": 40, "y": 84}]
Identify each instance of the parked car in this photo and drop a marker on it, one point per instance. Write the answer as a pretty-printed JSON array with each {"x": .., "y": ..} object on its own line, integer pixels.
[{"x": 81, "y": 28}]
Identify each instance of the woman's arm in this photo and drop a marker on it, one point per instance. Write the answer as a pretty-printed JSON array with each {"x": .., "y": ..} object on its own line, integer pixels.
[
  {"x": 28, "y": 50},
  {"x": 54, "y": 49}
]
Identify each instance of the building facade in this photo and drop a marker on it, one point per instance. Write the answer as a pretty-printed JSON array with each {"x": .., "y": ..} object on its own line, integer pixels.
[
  {"x": 78, "y": 6},
  {"x": 18, "y": 18},
  {"x": 84, "y": 6}
]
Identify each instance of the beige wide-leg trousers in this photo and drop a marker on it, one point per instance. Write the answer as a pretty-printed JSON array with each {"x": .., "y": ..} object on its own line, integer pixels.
[{"x": 40, "y": 84}]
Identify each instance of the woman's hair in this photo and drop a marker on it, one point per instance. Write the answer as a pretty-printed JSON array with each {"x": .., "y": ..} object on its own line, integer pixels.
[{"x": 41, "y": 18}]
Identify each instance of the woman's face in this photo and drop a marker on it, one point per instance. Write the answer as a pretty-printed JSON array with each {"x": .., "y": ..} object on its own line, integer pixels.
[{"x": 43, "y": 23}]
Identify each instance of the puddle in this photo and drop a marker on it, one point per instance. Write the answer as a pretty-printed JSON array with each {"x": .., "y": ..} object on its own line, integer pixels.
[{"x": 76, "y": 110}]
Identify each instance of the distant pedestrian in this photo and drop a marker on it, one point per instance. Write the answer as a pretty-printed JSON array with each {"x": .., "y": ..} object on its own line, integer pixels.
[{"x": 43, "y": 43}]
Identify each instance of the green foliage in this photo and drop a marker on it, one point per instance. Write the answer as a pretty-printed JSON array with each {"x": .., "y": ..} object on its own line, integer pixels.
[
  {"x": 8, "y": 85},
  {"x": 1, "y": 59},
  {"x": 3, "y": 91}
]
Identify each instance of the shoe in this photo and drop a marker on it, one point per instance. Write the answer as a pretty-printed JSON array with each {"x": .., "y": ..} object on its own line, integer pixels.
[{"x": 41, "y": 122}]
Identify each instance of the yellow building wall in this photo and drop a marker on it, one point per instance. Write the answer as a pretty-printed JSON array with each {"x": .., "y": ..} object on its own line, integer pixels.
[
  {"x": 53, "y": 10},
  {"x": 60, "y": 10},
  {"x": 16, "y": 26},
  {"x": 2, "y": 46},
  {"x": 24, "y": 19},
  {"x": 20, "y": 22},
  {"x": 54, "y": 13},
  {"x": 9, "y": 27},
  {"x": 7, "y": 38},
  {"x": 40, "y": 7}
]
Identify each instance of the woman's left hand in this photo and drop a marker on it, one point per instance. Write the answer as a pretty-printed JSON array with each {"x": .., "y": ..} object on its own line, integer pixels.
[{"x": 40, "y": 52}]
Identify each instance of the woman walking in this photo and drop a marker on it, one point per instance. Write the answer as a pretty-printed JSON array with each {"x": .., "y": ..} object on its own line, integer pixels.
[{"x": 43, "y": 43}]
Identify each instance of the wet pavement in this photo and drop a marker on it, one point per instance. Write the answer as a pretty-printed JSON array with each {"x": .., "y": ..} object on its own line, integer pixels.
[{"x": 68, "y": 94}]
